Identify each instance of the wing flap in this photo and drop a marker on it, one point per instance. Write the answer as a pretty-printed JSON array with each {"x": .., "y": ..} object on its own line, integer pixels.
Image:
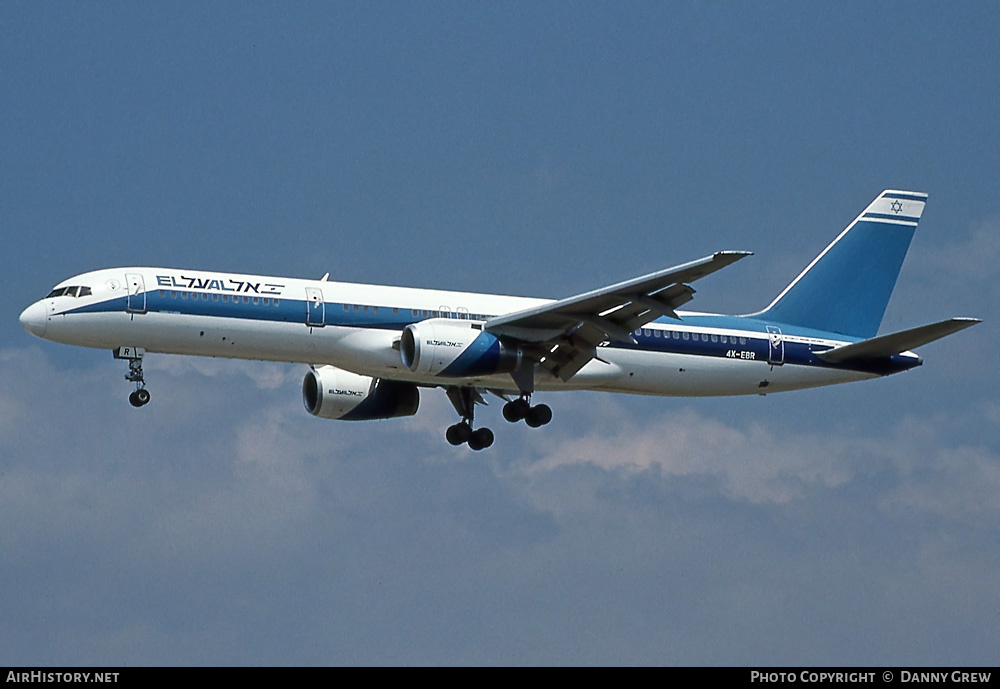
[
  {"x": 565, "y": 334},
  {"x": 896, "y": 343},
  {"x": 664, "y": 287}
]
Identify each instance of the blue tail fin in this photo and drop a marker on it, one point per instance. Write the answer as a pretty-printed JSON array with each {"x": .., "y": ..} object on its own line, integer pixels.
[{"x": 847, "y": 287}]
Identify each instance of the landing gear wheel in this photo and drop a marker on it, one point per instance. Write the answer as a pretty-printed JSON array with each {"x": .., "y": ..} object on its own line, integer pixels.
[
  {"x": 464, "y": 400},
  {"x": 538, "y": 416},
  {"x": 516, "y": 410},
  {"x": 459, "y": 433},
  {"x": 481, "y": 438},
  {"x": 140, "y": 396}
]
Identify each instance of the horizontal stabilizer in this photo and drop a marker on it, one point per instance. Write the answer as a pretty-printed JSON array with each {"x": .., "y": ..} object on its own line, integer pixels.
[{"x": 896, "y": 343}]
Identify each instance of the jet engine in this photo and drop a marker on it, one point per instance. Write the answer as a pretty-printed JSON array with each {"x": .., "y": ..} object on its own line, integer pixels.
[
  {"x": 332, "y": 393},
  {"x": 455, "y": 349}
]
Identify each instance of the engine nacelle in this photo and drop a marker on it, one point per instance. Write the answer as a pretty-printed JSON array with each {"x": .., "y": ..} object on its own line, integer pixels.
[
  {"x": 455, "y": 349},
  {"x": 332, "y": 393}
]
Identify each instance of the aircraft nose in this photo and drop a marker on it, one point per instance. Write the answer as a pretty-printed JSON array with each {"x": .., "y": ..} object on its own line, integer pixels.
[{"x": 34, "y": 319}]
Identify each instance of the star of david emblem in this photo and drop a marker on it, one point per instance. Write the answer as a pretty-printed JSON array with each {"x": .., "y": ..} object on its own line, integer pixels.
[{"x": 896, "y": 206}]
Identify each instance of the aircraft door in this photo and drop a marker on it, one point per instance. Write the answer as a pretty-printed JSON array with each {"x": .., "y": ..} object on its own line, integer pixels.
[
  {"x": 315, "y": 307},
  {"x": 775, "y": 346},
  {"x": 135, "y": 302}
]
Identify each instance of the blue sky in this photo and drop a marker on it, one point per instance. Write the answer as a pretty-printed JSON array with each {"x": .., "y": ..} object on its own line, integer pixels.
[{"x": 537, "y": 149}]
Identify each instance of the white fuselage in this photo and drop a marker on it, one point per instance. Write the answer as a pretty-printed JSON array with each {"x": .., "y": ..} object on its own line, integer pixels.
[{"x": 357, "y": 327}]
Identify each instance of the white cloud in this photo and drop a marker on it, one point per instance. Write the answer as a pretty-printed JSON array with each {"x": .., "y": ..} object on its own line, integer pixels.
[
  {"x": 224, "y": 506},
  {"x": 930, "y": 471},
  {"x": 751, "y": 463},
  {"x": 954, "y": 484},
  {"x": 265, "y": 375}
]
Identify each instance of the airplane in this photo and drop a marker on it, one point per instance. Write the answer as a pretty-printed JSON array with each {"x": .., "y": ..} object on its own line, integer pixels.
[{"x": 371, "y": 348}]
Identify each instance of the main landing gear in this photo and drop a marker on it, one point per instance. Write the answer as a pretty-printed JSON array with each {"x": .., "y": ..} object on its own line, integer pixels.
[
  {"x": 464, "y": 400},
  {"x": 521, "y": 408},
  {"x": 139, "y": 397},
  {"x": 462, "y": 432}
]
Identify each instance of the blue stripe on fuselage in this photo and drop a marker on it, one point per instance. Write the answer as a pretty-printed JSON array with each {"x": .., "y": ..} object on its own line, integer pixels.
[
  {"x": 659, "y": 339},
  {"x": 752, "y": 343}
]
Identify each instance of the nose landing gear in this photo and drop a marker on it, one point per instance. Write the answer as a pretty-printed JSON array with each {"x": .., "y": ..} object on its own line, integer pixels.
[{"x": 140, "y": 396}]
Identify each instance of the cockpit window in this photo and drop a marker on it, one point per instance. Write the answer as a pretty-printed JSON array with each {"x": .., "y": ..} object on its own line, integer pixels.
[{"x": 73, "y": 291}]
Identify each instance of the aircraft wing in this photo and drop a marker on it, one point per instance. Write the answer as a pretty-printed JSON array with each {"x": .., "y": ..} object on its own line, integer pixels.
[{"x": 563, "y": 336}]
